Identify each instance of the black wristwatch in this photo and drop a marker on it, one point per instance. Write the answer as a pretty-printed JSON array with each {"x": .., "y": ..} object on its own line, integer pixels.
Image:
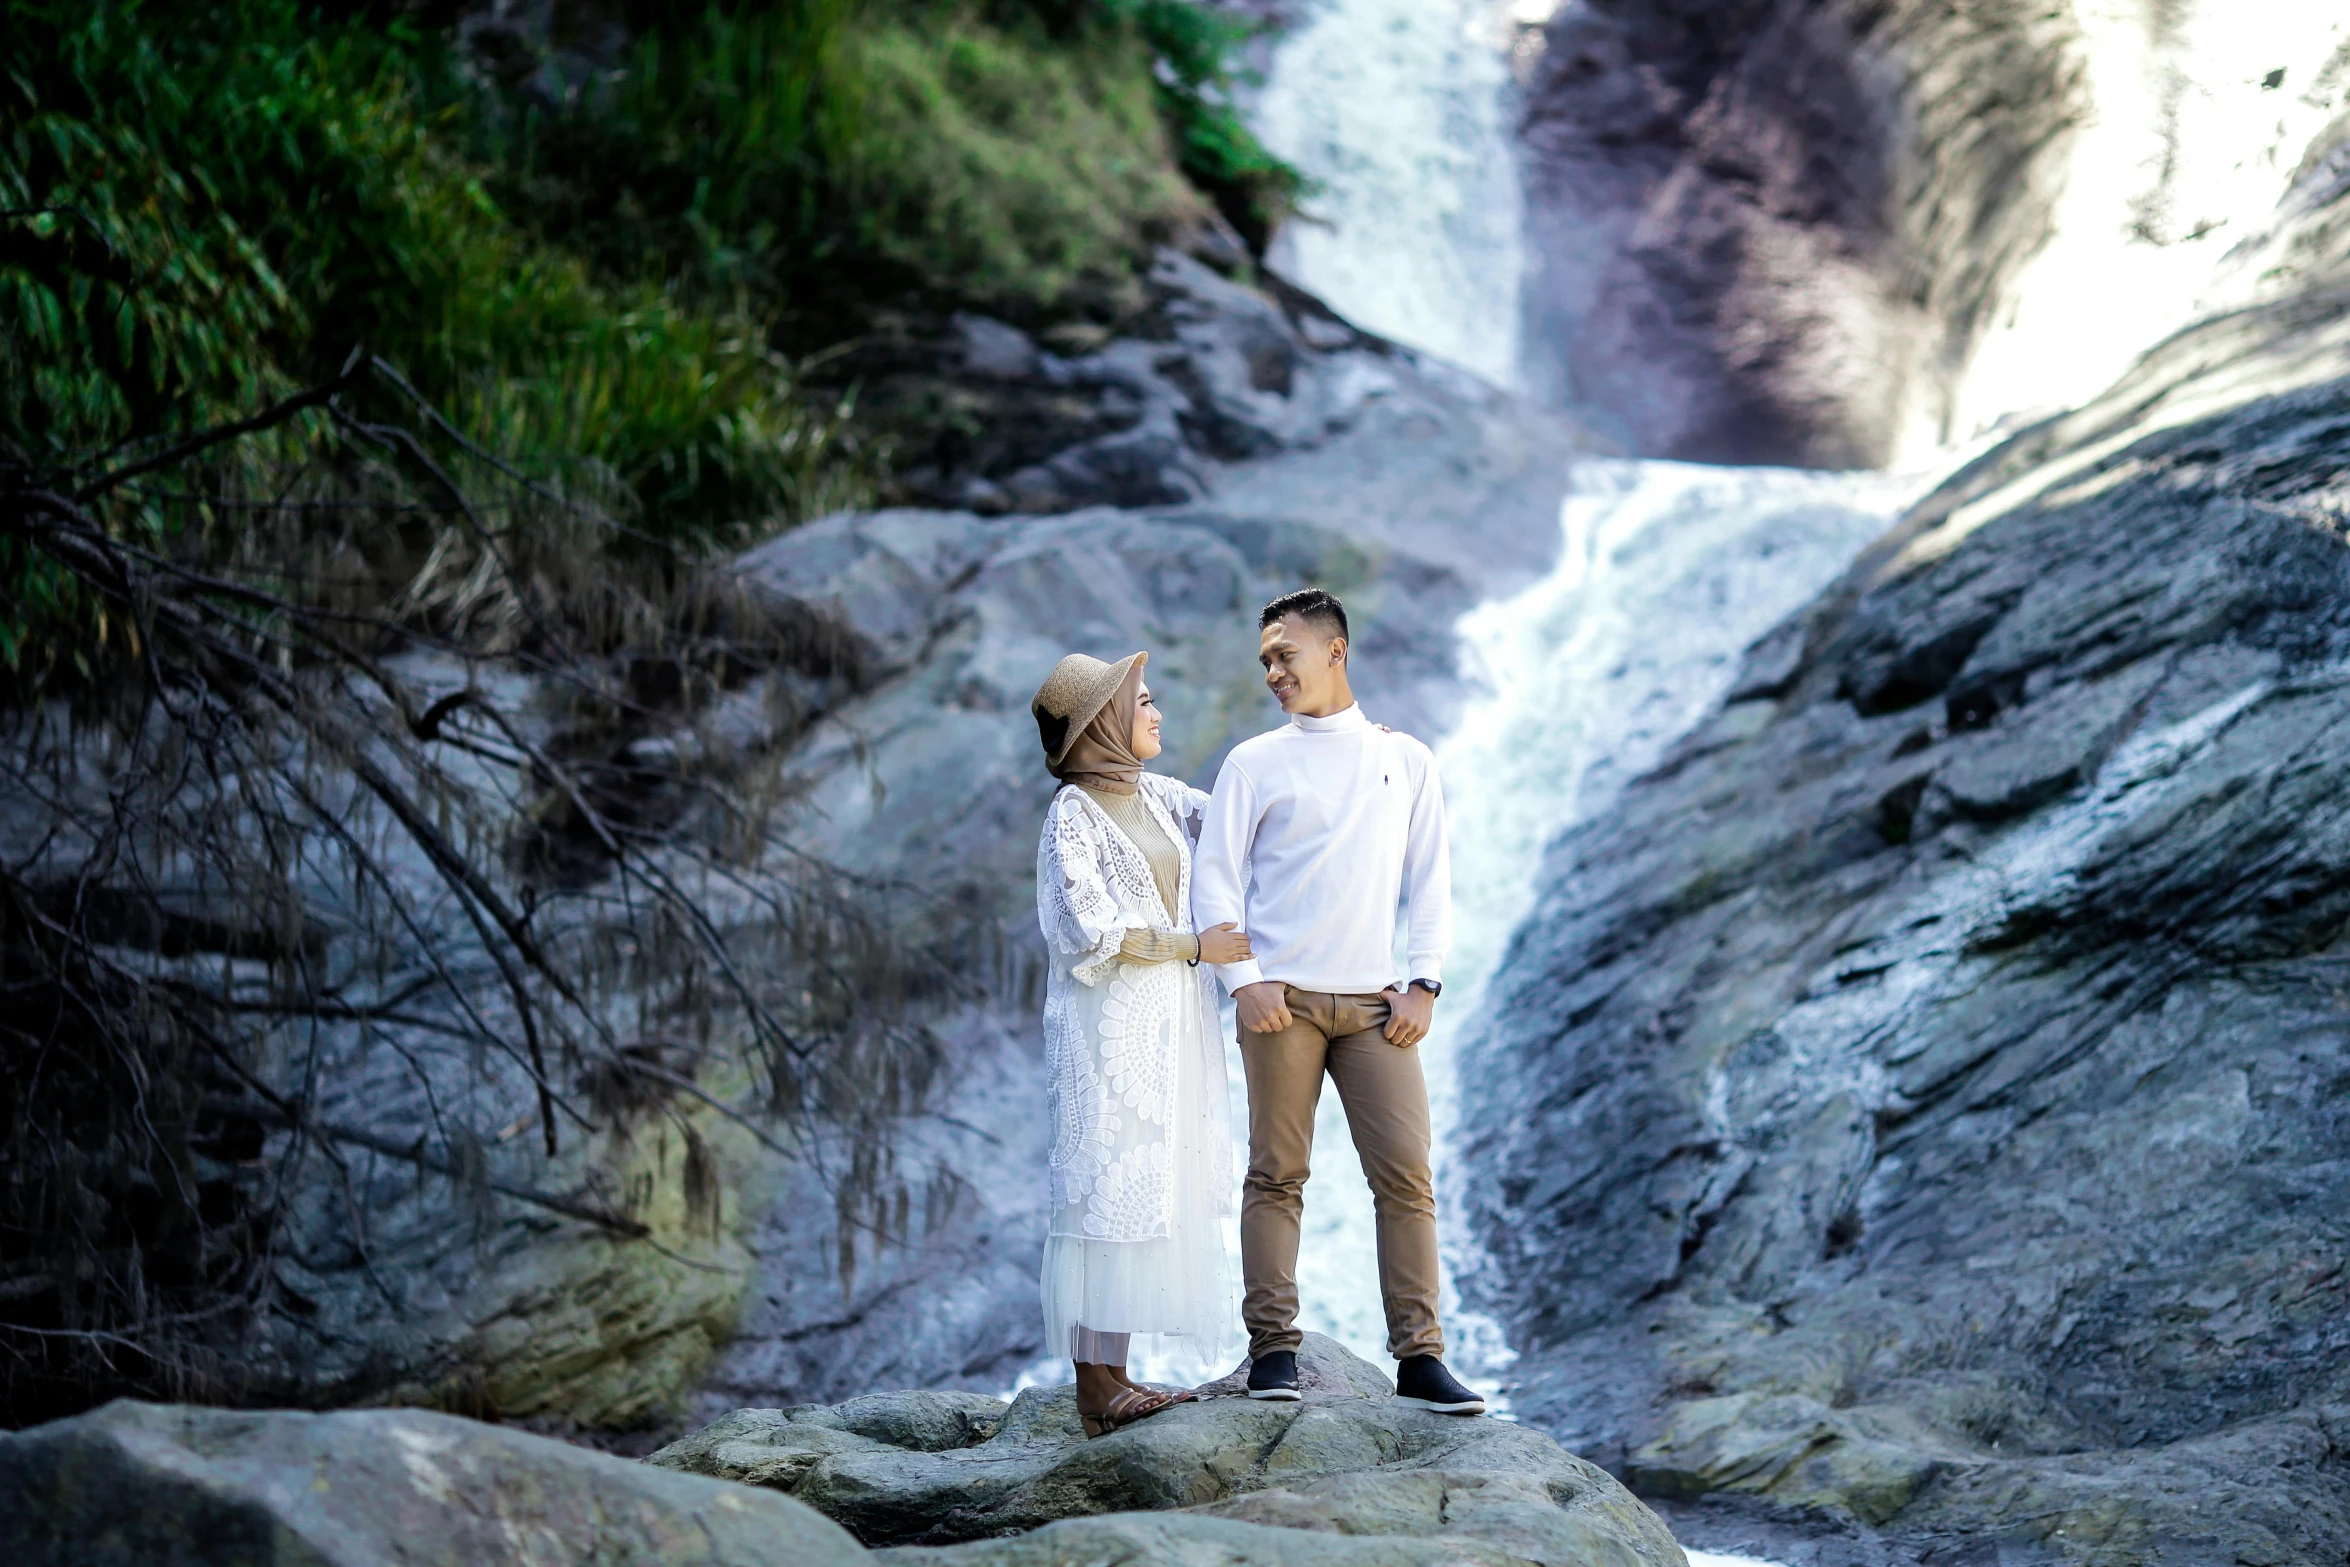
[{"x": 1431, "y": 986}]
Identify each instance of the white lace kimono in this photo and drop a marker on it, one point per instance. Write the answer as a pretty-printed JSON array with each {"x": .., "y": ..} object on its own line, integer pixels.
[{"x": 1142, "y": 1152}]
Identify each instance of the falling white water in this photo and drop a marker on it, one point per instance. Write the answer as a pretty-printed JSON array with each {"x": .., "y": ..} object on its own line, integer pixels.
[
  {"x": 1666, "y": 572},
  {"x": 1398, "y": 109},
  {"x": 2199, "y": 112}
]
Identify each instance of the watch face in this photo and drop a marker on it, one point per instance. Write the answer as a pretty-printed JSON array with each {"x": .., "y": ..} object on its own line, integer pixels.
[{"x": 1430, "y": 986}]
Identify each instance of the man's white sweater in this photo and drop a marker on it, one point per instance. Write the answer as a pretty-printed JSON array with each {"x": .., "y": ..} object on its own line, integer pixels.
[{"x": 1315, "y": 832}]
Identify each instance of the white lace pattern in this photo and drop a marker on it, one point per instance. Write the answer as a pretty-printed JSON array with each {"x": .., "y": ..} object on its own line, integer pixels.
[{"x": 1113, "y": 1028}]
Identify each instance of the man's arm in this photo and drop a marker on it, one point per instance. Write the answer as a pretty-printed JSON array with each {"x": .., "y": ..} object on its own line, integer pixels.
[
  {"x": 1427, "y": 869},
  {"x": 1427, "y": 877},
  {"x": 1219, "y": 893}
]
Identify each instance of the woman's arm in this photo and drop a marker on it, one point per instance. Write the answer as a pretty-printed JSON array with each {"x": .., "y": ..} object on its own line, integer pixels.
[
  {"x": 1075, "y": 909},
  {"x": 1188, "y": 806},
  {"x": 1159, "y": 946}
]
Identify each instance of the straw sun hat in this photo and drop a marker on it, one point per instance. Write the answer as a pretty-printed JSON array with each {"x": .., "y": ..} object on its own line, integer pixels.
[{"x": 1078, "y": 688}]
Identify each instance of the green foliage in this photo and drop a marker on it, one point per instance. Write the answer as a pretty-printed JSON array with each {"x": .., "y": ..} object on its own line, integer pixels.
[
  {"x": 239, "y": 194},
  {"x": 701, "y": 160},
  {"x": 1013, "y": 169},
  {"x": 1195, "y": 46},
  {"x": 813, "y": 154}
]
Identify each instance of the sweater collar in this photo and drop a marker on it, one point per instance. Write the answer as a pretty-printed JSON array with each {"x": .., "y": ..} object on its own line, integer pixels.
[{"x": 1345, "y": 719}]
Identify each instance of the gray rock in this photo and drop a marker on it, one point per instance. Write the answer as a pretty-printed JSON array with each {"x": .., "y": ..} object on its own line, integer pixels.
[
  {"x": 1918, "y": 1103},
  {"x": 1419, "y": 1520},
  {"x": 146, "y": 1485},
  {"x": 994, "y": 349},
  {"x": 1178, "y": 1540},
  {"x": 1775, "y": 232},
  {"x": 1211, "y": 373},
  {"x": 1258, "y": 1480}
]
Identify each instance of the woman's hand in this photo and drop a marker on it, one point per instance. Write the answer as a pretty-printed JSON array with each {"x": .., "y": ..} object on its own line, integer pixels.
[{"x": 1224, "y": 943}]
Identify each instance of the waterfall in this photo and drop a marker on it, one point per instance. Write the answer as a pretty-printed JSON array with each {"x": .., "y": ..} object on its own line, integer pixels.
[
  {"x": 1667, "y": 572},
  {"x": 2201, "y": 111},
  {"x": 1399, "y": 110}
]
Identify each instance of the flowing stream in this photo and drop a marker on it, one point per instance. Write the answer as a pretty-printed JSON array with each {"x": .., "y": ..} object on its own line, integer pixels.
[{"x": 1401, "y": 111}]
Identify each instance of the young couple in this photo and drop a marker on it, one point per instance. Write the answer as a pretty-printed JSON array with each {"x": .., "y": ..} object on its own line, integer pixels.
[{"x": 1284, "y": 883}]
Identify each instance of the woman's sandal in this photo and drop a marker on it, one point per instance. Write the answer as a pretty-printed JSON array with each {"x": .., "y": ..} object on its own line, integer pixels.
[
  {"x": 1171, "y": 1395},
  {"x": 1124, "y": 1409}
]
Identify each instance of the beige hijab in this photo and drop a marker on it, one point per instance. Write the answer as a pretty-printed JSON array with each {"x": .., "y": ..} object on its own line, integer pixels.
[{"x": 1102, "y": 756}]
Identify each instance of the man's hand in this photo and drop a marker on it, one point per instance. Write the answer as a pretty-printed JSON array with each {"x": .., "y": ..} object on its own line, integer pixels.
[
  {"x": 1409, "y": 1012},
  {"x": 1264, "y": 1006}
]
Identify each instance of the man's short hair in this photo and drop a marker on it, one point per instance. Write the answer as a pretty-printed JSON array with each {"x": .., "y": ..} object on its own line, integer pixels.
[{"x": 1311, "y": 605}]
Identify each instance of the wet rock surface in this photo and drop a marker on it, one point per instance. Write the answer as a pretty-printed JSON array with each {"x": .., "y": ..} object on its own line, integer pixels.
[
  {"x": 1917, "y": 1104},
  {"x": 1207, "y": 371},
  {"x": 1347, "y": 1478},
  {"x": 1345, "y": 1475}
]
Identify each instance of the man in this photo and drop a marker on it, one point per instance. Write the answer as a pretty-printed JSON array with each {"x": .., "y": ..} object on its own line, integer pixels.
[{"x": 1314, "y": 834}]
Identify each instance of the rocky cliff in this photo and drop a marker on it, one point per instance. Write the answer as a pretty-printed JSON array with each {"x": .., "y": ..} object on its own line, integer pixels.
[
  {"x": 1916, "y": 1105},
  {"x": 1775, "y": 232}
]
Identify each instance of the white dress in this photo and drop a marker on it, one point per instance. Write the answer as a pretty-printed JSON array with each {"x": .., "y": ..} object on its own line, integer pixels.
[{"x": 1142, "y": 1145}]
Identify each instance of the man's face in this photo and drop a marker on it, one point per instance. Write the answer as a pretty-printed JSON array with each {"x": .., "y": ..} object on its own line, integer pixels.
[{"x": 1302, "y": 663}]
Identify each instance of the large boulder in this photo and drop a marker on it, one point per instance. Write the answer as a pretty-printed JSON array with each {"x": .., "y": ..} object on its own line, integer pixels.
[
  {"x": 1242, "y": 1477},
  {"x": 146, "y": 1485},
  {"x": 1918, "y": 1103},
  {"x": 1347, "y": 1478}
]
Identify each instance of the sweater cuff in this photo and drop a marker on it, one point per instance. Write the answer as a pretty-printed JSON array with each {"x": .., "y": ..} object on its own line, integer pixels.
[
  {"x": 1424, "y": 968},
  {"x": 1235, "y": 975},
  {"x": 1159, "y": 946}
]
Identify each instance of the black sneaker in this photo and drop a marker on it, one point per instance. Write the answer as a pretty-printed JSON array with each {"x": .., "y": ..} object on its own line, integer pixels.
[
  {"x": 1274, "y": 1375},
  {"x": 1422, "y": 1380}
]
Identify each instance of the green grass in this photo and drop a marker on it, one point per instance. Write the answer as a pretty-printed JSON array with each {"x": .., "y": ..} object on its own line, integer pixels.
[
  {"x": 1195, "y": 47},
  {"x": 242, "y": 196},
  {"x": 816, "y": 155},
  {"x": 1017, "y": 170}
]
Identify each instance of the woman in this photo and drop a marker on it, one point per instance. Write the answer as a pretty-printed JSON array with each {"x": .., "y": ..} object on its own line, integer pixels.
[{"x": 1141, "y": 1155}]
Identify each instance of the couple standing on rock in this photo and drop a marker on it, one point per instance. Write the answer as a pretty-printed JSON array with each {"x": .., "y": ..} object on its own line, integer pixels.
[{"x": 1285, "y": 881}]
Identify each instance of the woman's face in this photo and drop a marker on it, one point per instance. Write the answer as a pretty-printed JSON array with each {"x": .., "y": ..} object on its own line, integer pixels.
[{"x": 1146, "y": 726}]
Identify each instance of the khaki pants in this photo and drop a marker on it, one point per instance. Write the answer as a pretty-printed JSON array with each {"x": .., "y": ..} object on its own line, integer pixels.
[{"x": 1386, "y": 1103}]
